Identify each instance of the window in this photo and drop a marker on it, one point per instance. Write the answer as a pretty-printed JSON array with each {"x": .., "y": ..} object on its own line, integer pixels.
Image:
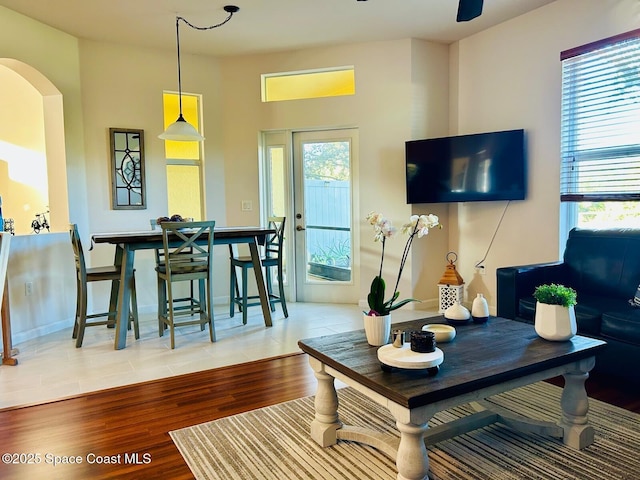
[
  {"x": 184, "y": 163},
  {"x": 600, "y": 173},
  {"x": 332, "y": 82}
]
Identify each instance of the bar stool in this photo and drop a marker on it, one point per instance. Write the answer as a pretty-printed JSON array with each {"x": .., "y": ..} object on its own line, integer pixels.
[
  {"x": 188, "y": 256},
  {"x": 191, "y": 302},
  {"x": 86, "y": 275},
  {"x": 273, "y": 258}
]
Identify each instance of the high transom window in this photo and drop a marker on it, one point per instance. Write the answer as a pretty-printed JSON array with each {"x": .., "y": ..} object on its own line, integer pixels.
[{"x": 332, "y": 82}]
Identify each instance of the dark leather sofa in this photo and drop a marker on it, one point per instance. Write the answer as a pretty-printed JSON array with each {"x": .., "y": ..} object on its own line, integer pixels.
[{"x": 603, "y": 266}]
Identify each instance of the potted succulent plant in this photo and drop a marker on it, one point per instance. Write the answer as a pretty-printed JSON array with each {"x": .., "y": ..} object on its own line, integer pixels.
[{"x": 555, "y": 317}]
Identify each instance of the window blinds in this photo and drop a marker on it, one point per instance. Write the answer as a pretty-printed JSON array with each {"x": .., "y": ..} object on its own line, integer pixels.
[{"x": 601, "y": 121}]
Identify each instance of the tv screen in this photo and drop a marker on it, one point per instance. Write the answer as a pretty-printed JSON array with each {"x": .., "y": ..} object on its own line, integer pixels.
[{"x": 467, "y": 168}]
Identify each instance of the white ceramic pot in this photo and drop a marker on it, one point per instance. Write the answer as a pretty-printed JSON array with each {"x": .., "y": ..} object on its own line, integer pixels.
[
  {"x": 555, "y": 322},
  {"x": 377, "y": 328}
]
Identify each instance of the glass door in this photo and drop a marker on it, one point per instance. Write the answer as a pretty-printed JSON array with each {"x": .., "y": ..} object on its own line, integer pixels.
[{"x": 325, "y": 252}]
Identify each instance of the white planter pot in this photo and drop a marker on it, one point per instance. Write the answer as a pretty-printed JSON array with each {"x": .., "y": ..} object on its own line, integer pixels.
[
  {"x": 377, "y": 329},
  {"x": 555, "y": 322}
]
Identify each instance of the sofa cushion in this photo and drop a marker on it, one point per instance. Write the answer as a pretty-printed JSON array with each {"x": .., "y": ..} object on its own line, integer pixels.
[
  {"x": 622, "y": 324},
  {"x": 604, "y": 262},
  {"x": 588, "y": 319}
]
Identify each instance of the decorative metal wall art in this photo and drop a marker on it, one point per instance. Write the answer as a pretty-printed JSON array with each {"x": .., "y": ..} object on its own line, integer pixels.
[
  {"x": 41, "y": 222},
  {"x": 128, "y": 191}
]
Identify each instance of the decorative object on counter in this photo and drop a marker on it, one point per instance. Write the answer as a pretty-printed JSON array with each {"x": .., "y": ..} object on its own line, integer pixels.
[
  {"x": 457, "y": 313},
  {"x": 423, "y": 341},
  {"x": 128, "y": 190},
  {"x": 443, "y": 333},
  {"x": 181, "y": 130},
  {"x": 379, "y": 307},
  {"x": 480, "y": 309},
  {"x": 450, "y": 285},
  {"x": 40, "y": 223},
  {"x": 9, "y": 226},
  {"x": 555, "y": 317}
]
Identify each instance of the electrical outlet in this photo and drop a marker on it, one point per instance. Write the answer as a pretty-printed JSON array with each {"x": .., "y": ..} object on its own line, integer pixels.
[
  {"x": 480, "y": 269},
  {"x": 28, "y": 289}
]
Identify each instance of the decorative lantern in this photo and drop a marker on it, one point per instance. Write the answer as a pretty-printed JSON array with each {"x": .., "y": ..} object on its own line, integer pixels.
[{"x": 451, "y": 285}]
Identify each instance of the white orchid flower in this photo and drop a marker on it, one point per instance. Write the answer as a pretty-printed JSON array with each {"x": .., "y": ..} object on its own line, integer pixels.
[{"x": 418, "y": 224}]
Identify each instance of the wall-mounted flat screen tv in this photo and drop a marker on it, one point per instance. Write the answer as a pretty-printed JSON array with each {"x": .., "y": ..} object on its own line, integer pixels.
[{"x": 467, "y": 168}]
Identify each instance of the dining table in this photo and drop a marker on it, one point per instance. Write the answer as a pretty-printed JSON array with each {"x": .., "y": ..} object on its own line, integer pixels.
[{"x": 129, "y": 241}]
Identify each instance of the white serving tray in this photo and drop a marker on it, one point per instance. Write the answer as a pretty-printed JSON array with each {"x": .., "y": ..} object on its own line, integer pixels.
[{"x": 404, "y": 357}]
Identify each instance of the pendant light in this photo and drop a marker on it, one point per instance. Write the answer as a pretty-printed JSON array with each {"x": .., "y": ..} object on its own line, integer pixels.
[{"x": 182, "y": 130}]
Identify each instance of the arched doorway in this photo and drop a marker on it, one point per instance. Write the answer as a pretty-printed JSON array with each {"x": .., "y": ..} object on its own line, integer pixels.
[{"x": 33, "y": 176}]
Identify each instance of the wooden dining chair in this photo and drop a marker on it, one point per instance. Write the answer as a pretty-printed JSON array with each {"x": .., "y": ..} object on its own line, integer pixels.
[
  {"x": 273, "y": 258},
  {"x": 190, "y": 302},
  {"x": 188, "y": 256},
  {"x": 86, "y": 275}
]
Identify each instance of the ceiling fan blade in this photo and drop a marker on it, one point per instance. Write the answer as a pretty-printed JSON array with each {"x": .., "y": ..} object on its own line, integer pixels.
[{"x": 469, "y": 9}]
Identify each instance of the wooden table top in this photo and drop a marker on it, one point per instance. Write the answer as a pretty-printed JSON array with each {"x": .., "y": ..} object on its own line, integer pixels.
[
  {"x": 156, "y": 235},
  {"x": 481, "y": 355}
]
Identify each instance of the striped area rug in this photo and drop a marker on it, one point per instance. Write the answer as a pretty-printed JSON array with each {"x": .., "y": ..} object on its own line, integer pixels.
[{"x": 273, "y": 444}]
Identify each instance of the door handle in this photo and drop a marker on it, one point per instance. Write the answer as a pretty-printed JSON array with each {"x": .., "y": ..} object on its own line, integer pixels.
[{"x": 299, "y": 228}]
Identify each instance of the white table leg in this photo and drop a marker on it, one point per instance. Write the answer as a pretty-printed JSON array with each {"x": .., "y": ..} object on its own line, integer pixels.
[
  {"x": 575, "y": 406},
  {"x": 326, "y": 422},
  {"x": 412, "y": 459}
]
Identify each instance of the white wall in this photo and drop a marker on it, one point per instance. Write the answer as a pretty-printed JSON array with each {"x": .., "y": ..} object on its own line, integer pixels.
[
  {"x": 45, "y": 261},
  {"x": 509, "y": 77},
  {"x": 429, "y": 118},
  {"x": 382, "y": 109}
]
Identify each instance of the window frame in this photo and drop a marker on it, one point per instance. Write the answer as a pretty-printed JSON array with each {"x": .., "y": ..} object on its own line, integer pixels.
[
  {"x": 574, "y": 189},
  {"x": 197, "y": 162}
]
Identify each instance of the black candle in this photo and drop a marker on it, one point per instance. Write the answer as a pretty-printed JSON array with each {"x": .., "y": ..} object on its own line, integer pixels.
[{"x": 423, "y": 342}]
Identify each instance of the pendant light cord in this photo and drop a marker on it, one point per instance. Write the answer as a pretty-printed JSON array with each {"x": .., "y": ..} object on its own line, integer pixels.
[{"x": 230, "y": 9}]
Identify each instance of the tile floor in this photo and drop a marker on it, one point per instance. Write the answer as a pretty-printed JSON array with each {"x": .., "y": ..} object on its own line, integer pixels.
[{"x": 50, "y": 367}]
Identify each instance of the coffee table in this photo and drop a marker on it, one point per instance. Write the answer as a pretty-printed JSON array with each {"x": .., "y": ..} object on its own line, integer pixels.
[{"x": 483, "y": 360}]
